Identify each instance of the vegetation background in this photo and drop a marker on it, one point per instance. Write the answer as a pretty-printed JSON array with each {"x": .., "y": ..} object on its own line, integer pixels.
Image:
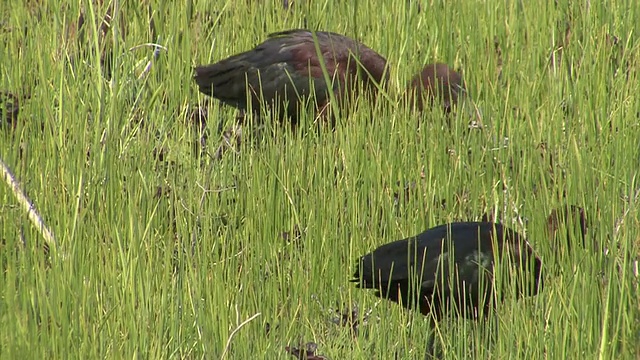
[{"x": 164, "y": 252}]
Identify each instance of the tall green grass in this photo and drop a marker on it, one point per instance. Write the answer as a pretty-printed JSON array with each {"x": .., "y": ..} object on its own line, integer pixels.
[{"x": 169, "y": 258}]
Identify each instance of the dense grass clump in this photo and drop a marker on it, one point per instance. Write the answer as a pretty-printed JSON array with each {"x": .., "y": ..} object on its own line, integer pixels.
[{"x": 164, "y": 251}]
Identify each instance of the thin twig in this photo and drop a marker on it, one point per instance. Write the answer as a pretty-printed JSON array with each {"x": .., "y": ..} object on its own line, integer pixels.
[
  {"x": 226, "y": 348},
  {"x": 157, "y": 48},
  {"x": 155, "y": 54},
  {"x": 28, "y": 206},
  {"x": 620, "y": 220}
]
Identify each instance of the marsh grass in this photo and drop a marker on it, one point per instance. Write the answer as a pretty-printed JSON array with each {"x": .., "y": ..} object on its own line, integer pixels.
[{"x": 169, "y": 256}]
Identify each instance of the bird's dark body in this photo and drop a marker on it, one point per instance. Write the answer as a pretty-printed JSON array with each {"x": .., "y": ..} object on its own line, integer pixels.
[
  {"x": 436, "y": 83},
  {"x": 285, "y": 69},
  {"x": 452, "y": 264}
]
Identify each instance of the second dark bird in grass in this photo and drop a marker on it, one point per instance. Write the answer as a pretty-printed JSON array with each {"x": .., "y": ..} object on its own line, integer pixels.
[
  {"x": 450, "y": 269},
  {"x": 449, "y": 262},
  {"x": 285, "y": 69}
]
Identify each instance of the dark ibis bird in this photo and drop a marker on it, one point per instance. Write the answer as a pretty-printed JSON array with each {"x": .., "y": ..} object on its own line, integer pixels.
[
  {"x": 446, "y": 263},
  {"x": 284, "y": 70},
  {"x": 450, "y": 269}
]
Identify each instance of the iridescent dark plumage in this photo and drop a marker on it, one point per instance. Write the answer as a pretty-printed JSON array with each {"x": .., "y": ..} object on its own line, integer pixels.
[
  {"x": 436, "y": 83},
  {"x": 449, "y": 263},
  {"x": 286, "y": 67},
  {"x": 391, "y": 268},
  {"x": 453, "y": 265}
]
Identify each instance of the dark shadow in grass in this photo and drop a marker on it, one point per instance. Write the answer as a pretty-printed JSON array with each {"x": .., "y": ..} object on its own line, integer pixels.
[
  {"x": 9, "y": 108},
  {"x": 293, "y": 236},
  {"x": 268, "y": 327},
  {"x": 308, "y": 352},
  {"x": 293, "y": 247},
  {"x": 230, "y": 140},
  {"x": 196, "y": 116},
  {"x": 499, "y": 61},
  {"x": 349, "y": 317},
  {"x": 231, "y": 137}
]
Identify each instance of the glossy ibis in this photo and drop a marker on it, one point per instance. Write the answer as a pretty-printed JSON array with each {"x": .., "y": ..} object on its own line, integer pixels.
[
  {"x": 436, "y": 255},
  {"x": 286, "y": 68},
  {"x": 449, "y": 269}
]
